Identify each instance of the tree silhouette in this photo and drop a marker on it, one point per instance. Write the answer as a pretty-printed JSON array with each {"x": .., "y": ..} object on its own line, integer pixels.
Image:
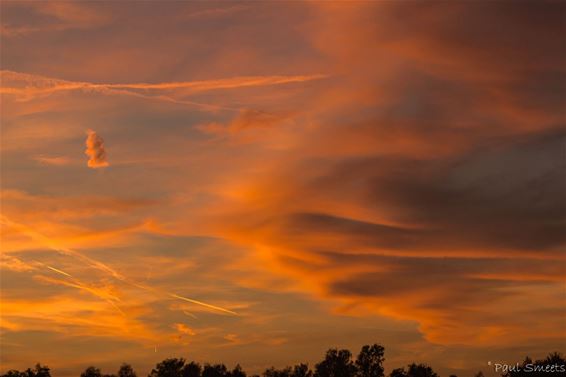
[
  {"x": 95, "y": 372},
  {"x": 414, "y": 370},
  {"x": 126, "y": 370},
  {"x": 191, "y": 369},
  {"x": 553, "y": 365},
  {"x": 13, "y": 373},
  {"x": 421, "y": 370},
  {"x": 168, "y": 368},
  {"x": 370, "y": 361},
  {"x": 274, "y": 372},
  {"x": 237, "y": 372},
  {"x": 38, "y": 371},
  {"x": 398, "y": 372},
  {"x": 216, "y": 370},
  {"x": 337, "y": 363},
  {"x": 301, "y": 370},
  {"x": 91, "y": 372},
  {"x": 41, "y": 371}
]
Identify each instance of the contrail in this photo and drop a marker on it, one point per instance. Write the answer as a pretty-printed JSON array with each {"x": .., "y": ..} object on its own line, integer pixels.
[
  {"x": 202, "y": 304},
  {"x": 58, "y": 85},
  {"x": 62, "y": 250},
  {"x": 109, "y": 298},
  {"x": 99, "y": 265},
  {"x": 204, "y": 106},
  {"x": 189, "y": 314},
  {"x": 178, "y": 297},
  {"x": 58, "y": 271},
  {"x": 230, "y": 83},
  {"x": 199, "y": 85},
  {"x": 79, "y": 285},
  {"x": 62, "y": 86}
]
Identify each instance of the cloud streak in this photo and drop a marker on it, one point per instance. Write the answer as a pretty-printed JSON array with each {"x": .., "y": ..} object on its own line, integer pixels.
[
  {"x": 27, "y": 86},
  {"x": 104, "y": 267}
]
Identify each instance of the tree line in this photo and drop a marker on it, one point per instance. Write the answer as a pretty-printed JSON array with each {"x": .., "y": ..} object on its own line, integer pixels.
[{"x": 336, "y": 363}]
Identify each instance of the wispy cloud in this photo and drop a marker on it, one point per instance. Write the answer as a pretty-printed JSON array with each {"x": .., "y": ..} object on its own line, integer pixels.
[
  {"x": 61, "y": 16},
  {"x": 27, "y": 86},
  {"x": 52, "y": 160},
  {"x": 105, "y": 268},
  {"x": 215, "y": 12}
]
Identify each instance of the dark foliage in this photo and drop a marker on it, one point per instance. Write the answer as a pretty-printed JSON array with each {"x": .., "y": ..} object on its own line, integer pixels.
[
  {"x": 91, "y": 372},
  {"x": 370, "y": 361},
  {"x": 216, "y": 370},
  {"x": 336, "y": 363},
  {"x": 273, "y": 372},
  {"x": 237, "y": 372},
  {"x": 399, "y": 372},
  {"x": 299, "y": 370},
  {"x": 38, "y": 371},
  {"x": 126, "y": 370},
  {"x": 191, "y": 369},
  {"x": 168, "y": 368},
  {"x": 553, "y": 365},
  {"x": 414, "y": 370}
]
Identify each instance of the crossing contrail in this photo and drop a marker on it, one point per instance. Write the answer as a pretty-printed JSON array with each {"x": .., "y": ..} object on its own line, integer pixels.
[
  {"x": 40, "y": 85},
  {"x": 99, "y": 265},
  {"x": 75, "y": 283}
]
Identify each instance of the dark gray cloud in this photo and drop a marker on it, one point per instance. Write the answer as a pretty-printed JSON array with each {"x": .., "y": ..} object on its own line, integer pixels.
[{"x": 508, "y": 193}]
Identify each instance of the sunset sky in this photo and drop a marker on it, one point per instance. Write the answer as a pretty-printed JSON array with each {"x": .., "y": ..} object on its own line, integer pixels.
[{"x": 257, "y": 182}]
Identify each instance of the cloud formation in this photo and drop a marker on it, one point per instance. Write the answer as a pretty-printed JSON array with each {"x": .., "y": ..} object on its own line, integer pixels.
[
  {"x": 433, "y": 192},
  {"x": 51, "y": 17},
  {"x": 419, "y": 185},
  {"x": 95, "y": 151},
  {"x": 444, "y": 243}
]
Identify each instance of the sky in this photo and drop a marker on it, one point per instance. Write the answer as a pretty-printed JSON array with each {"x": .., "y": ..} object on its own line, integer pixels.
[{"x": 257, "y": 182}]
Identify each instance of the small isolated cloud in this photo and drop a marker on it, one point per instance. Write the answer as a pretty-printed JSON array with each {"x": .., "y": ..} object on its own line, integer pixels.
[
  {"x": 247, "y": 119},
  {"x": 95, "y": 151},
  {"x": 233, "y": 338},
  {"x": 11, "y": 263},
  {"x": 184, "y": 329}
]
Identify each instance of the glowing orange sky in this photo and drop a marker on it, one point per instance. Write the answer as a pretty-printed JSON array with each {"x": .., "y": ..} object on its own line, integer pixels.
[{"x": 258, "y": 182}]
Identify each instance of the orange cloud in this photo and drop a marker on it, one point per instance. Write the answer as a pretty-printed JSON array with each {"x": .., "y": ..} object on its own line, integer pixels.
[
  {"x": 184, "y": 329},
  {"x": 439, "y": 242},
  {"x": 248, "y": 126},
  {"x": 85, "y": 317},
  {"x": 108, "y": 270},
  {"x": 12, "y": 263},
  {"x": 95, "y": 151}
]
